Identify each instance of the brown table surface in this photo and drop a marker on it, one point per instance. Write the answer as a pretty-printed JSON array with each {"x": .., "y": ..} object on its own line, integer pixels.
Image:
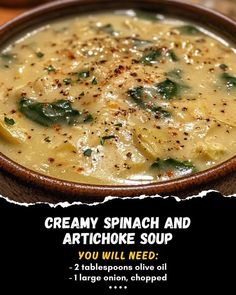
[{"x": 7, "y": 14}]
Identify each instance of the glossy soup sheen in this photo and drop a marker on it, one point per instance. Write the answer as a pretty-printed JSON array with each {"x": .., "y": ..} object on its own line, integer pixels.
[{"x": 124, "y": 98}]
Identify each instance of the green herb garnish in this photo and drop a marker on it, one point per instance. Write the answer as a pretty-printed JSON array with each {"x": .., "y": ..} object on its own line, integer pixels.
[
  {"x": 50, "y": 69},
  {"x": 83, "y": 75},
  {"x": 9, "y": 121},
  {"x": 87, "y": 153},
  {"x": 94, "y": 81},
  {"x": 39, "y": 54},
  {"x": 104, "y": 138},
  {"x": 67, "y": 81}
]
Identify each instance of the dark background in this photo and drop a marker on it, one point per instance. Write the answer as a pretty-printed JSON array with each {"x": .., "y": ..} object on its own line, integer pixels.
[{"x": 202, "y": 256}]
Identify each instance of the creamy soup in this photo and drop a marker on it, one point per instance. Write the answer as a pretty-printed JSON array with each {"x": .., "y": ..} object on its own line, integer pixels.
[{"x": 118, "y": 98}]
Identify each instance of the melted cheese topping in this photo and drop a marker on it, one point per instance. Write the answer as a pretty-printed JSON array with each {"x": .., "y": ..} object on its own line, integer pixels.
[{"x": 118, "y": 99}]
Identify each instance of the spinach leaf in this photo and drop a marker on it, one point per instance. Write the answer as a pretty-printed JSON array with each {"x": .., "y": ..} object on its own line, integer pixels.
[
  {"x": 7, "y": 56},
  {"x": 141, "y": 42},
  {"x": 151, "y": 57},
  {"x": 188, "y": 30},
  {"x": 167, "y": 89},
  {"x": 144, "y": 98},
  {"x": 154, "y": 55},
  {"x": 175, "y": 74},
  {"x": 9, "y": 121},
  {"x": 230, "y": 81},
  {"x": 146, "y": 15},
  {"x": 160, "y": 112},
  {"x": 7, "y": 59},
  {"x": 104, "y": 138},
  {"x": 137, "y": 94},
  {"x": 171, "y": 55},
  {"x": 87, "y": 118},
  {"x": 170, "y": 164},
  {"x": 48, "y": 114},
  {"x": 108, "y": 29}
]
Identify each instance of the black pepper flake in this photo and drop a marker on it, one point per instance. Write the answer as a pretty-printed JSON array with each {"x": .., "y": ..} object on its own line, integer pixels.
[
  {"x": 129, "y": 155},
  {"x": 119, "y": 70},
  {"x": 133, "y": 74}
]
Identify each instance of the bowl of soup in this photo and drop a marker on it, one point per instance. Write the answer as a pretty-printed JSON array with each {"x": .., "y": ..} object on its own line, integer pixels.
[{"x": 100, "y": 98}]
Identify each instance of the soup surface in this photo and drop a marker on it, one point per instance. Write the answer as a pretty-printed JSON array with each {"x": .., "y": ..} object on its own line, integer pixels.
[{"x": 118, "y": 98}]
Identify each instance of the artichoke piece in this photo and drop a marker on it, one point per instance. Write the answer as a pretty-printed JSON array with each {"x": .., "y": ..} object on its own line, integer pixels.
[
  {"x": 210, "y": 150},
  {"x": 224, "y": 114},
  {"x": 11, "y": 133},
  {"x": 150, "y": 142}
]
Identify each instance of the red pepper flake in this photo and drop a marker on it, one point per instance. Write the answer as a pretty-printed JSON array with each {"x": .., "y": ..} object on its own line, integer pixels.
[
  {"x": 119, "y": 70},
  {"x": 80, "y": 169},
  {"x": 51, "y": 160},
  {"x": 169, "y": 173}
]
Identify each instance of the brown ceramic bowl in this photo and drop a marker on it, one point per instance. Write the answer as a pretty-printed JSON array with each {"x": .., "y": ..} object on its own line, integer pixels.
[{"x": 22, "y": 184}]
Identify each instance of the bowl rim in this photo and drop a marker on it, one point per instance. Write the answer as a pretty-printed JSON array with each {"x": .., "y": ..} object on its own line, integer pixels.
[{"x": 98, "y": 191}]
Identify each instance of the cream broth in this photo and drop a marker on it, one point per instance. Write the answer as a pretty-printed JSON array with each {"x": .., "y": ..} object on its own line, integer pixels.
[{"x": 118, "y": 99}]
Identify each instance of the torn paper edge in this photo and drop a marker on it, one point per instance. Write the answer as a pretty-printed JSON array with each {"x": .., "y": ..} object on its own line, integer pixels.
[{"x": 110, "y": 198}]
